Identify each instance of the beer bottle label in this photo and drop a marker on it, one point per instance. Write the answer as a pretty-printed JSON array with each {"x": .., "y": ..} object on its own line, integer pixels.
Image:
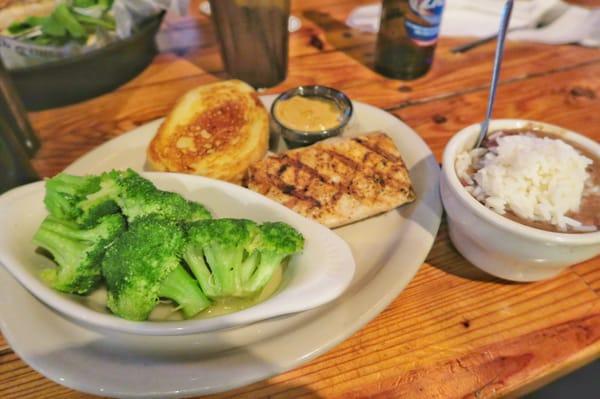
[{"x": 424, "y": 32}]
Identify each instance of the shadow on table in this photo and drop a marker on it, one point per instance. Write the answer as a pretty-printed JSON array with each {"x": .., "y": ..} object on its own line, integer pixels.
[
  {"x": 427, "y": 208},
  {"x": 358, "y": 45},
  {"x": 445, "y": 257}
]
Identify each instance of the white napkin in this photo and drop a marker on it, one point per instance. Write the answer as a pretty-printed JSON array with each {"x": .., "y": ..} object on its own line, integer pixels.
[{"x": 569, "y": 24}]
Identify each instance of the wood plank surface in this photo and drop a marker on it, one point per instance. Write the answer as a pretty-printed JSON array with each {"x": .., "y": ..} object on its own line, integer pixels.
[
  {"x": 87, "y": 124},
  {"x": 567, "y": 98},
  {"x": 455, "y": 331}
]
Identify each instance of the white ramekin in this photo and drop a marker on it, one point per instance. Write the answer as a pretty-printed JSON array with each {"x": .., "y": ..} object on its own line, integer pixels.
[{"x": 498, "y": 245}]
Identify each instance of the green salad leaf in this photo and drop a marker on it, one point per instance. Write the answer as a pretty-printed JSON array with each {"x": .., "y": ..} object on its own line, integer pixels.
[{"x": 76, "y": 22}]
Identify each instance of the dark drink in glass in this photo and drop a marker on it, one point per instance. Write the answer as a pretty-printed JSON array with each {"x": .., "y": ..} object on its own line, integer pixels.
[
  {"x": 17, "y": 140},
  {"x": 407, "y": 37},
  {"x": 14, "y": 114},
  {"x": 15, "y": 168},
  {"x": 254, "y": 39}
]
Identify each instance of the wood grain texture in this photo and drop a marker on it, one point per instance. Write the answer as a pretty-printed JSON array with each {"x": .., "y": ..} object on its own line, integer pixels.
[
  {"x": 455, "y": 331},
  {"x": 585, "y": 3},
  {"x": 568, "y": 98}
]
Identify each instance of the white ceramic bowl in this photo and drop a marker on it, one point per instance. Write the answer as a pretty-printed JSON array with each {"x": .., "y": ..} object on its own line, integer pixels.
[
  {"x": 318, "y": 275},
  {"x": 498, "y": 245}
]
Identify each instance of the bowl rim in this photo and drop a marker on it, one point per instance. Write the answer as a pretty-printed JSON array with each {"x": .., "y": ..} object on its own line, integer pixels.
[
  {"x": 315, "y": 91},
  {"x": 146, "y": 26},
  {"x": 457, "y": 143}
]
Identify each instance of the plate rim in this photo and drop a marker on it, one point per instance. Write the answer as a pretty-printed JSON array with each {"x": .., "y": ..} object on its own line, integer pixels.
[{"x": 334, "y": 339}]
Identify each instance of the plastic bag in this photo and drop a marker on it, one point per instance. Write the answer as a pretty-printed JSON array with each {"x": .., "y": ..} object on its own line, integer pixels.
[{"x": 128, "y": 14}]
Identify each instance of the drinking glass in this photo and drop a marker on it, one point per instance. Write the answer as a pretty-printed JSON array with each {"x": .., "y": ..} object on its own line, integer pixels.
[
  {"x": 254, "y": 39},
  {"x": 17, "y": 139}
]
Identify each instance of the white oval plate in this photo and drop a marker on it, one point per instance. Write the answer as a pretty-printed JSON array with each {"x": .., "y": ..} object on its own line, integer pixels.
[
  {"x": 388, "y": 250},
  {"x": 318, "y": 275}
]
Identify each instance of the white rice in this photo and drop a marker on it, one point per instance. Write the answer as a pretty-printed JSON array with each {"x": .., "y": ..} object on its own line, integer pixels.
[{"x": 537, "y": 178}]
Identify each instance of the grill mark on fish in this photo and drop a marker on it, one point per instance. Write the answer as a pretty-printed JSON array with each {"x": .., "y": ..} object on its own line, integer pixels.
[
  {"x": 379, "y": 179},
  {"x": 313, "y": 173},
  {"x": 291, "y": 190},
  {"x": 342, "y": 158},
  {"x": 282, "y": 169},
  {"x": 301, "y": 166},
  {"x": 376, "y": 149},
  {"x": 304, "y": 197},
  {"x": 368, "y": 155}
]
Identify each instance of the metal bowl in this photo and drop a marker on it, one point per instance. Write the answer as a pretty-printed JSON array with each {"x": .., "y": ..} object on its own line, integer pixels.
[
  {"x": 87, "y": 75},
  {"x": 297, "y": 138}
]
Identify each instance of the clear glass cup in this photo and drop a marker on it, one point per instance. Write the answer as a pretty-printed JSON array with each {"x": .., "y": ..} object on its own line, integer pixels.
[{"x": 254, "y": 39}]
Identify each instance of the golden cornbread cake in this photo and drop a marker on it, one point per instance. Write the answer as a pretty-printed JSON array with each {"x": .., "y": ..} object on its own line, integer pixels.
[{"x": 216, "y": 130}]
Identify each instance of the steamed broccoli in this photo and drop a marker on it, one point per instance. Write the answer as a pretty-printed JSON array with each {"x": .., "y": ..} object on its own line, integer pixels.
[
  {"x": 278, "y": 242},
  {"x": 110, "y": 190},
  {"x": 77, "y": 251},
  {"x": 220, "y": 254},
  {"x": 85, "y": 199},
  {"x": 64, "y": 192},
  {"x": 143, "y": 265},
  {"x": 236, "y": 257},
  {"x": 137, "y": 197},
  {"x": 67, "y": 199},
  {"x": 120, "y": 227}
]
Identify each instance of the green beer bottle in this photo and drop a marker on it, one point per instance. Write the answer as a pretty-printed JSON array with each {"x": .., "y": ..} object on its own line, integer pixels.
[{"x": 407, "y": 37}]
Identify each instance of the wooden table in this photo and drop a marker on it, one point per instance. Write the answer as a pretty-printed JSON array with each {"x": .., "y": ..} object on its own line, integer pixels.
[{"x": 455, "y": 331}]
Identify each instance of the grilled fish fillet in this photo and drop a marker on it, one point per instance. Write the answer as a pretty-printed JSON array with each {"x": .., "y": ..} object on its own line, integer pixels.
[
  {"x": 336, "y": 181},
  {"x": 216, "y": 130}
]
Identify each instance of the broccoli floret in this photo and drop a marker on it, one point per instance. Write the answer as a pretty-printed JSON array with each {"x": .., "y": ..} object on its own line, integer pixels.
[
  {"x": 141, "y": 198},
  {"x": 63, "y": 193},
  {"x": 137, "y": 197},
  {"x": 236, "y": 257},
  {"x": 162, "y": 203},
  {"x": 69, "y": 197},
  {"x": 101, "y": 202},
  {"x": 77, "y": 251},
  {"x": 220, "y": 253},
  {"x": 197, "y": 212},
  {"x": 86, "y": 199},
  {"x": 143, "y": 265},
  {"x": 278, "y": 241}
]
